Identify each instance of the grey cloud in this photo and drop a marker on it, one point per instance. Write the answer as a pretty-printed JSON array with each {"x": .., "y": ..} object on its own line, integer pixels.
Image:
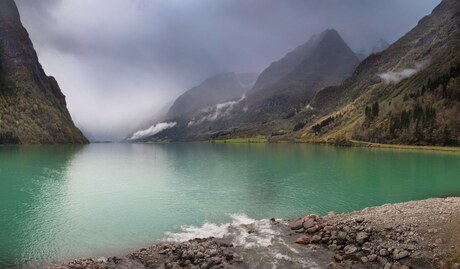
[
  {"x": 120, "y": 61},
  {"x": 397, "y": 76}
]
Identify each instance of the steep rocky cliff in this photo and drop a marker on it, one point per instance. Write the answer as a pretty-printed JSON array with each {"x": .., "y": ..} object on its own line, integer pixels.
[{"x": 32, "y": 106}]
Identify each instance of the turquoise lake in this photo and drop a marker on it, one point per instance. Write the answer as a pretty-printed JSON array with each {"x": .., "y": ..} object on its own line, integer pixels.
[{"x": 64, "y": 202}]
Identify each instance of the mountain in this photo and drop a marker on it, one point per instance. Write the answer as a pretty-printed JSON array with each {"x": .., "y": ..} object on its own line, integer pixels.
[
  {"x": 362, "y": 54},
  {"x": 216, "y": 89},
  {"x": 379, "y": 46},
  {"x": 324, "y": 59},
  {"x": 406, "y": 94},
  {"x": 281, "y": 91},
  {"x": 32, "y": 106}
]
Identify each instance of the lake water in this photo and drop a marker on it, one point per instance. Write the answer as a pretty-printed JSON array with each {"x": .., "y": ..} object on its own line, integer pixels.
[{"x": 65, "y": 202}]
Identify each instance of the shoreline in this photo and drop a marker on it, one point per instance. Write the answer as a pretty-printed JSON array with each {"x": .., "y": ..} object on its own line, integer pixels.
[
  {"x": 352, "y": 143},
  {"x": 405, "y": 147},
  {"x": 415, "y": 234}
]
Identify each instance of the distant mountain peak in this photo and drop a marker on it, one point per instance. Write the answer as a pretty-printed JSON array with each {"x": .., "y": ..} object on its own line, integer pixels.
[
  {"x": 328, "y": 39},
  {"x": 380, "y": 45}
]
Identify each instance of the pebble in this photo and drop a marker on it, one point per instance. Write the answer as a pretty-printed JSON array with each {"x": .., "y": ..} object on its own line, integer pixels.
[
  {"x": 372, "y": 257},
  {"x": 350, "y": 249},
  {"x": 384, "y": 252},
  {"x": 362, "y": 237},
  {"x": 338, "y": 257},
  {"x": 400, "y": 255}
]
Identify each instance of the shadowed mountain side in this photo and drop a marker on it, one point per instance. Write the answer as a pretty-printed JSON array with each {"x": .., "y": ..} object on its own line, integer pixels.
[
  {"x": 408, "y": 93},
  {"x": 32, "y": 107},
  {"x": 280, "y": 93}
]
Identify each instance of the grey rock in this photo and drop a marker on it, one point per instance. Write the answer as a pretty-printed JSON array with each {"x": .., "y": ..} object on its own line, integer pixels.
[
  {"x": 401, "y": 255},
  {"x": 296, "y": 224},
  {"x": 384, "y": 252},
  {"x": 315, "y": 239},
  {"x": 350, "y": 249},
  {"x": 212, "y": 262},
  {"x": 362, "y": 237},
  {"x": 372, "y": 257},
  {"x": 308, "y": 224}
]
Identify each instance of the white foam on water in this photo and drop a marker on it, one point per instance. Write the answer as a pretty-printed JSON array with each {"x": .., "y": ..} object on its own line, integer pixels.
[
  {"x": 260, "y": 237},
  {"x": 102, "y": 259},
  {"x": 205, "y": 231},
  {"x": 242, "y": 231},
  {"x": 280, "y": 256}
]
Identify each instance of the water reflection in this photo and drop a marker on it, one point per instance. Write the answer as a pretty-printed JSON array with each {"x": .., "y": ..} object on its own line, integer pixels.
[
  {"x": 31, "y": 181},
  {"x": 60, "y": 203}
]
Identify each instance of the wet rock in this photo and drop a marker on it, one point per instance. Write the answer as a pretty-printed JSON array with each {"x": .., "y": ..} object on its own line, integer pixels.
[
  {"x": 311, "y": 217},
  {"x": 228, "y": 255},
  {"x": 296, "y": 224},
  {"x": 315, "y": 239},
  {"x": 301, "y": 230},
  {"x": 338, "y": 258},
  {"x": 212, "y": 262},
  {"x": 308, "y": 224},
  {"x": 312, "y": 230},
  {"x": 303, "y": 240}
]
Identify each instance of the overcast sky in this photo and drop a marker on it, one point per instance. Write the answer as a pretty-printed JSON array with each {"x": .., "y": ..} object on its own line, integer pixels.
[{"x": 120, "y": 61}]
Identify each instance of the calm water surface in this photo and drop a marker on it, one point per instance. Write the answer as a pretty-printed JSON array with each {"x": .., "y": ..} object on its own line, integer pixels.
[{"x": 64, "y": 202}]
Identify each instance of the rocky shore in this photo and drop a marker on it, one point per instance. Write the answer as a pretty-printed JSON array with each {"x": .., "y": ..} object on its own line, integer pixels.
[{"x": 418, "y": 234}]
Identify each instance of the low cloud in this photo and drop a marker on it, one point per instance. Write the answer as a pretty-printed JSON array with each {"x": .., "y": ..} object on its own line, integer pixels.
[
  {"x": 395, "y": 77},
  {"x": 218, "y": 111},
  {"x": 152, "y": 130}
]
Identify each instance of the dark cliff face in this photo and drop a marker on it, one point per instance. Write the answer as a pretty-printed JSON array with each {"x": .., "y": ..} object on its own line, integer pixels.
[{"x": 32, "y": 106}]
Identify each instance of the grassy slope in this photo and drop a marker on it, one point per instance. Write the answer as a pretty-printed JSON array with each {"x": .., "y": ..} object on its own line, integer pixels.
[{"x": 339, "y": 110}]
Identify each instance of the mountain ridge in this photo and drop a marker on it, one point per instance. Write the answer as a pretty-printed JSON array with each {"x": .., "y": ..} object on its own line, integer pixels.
[
  {"x": 325, "y": 59},
  {"x": 409, "y": 108}
]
